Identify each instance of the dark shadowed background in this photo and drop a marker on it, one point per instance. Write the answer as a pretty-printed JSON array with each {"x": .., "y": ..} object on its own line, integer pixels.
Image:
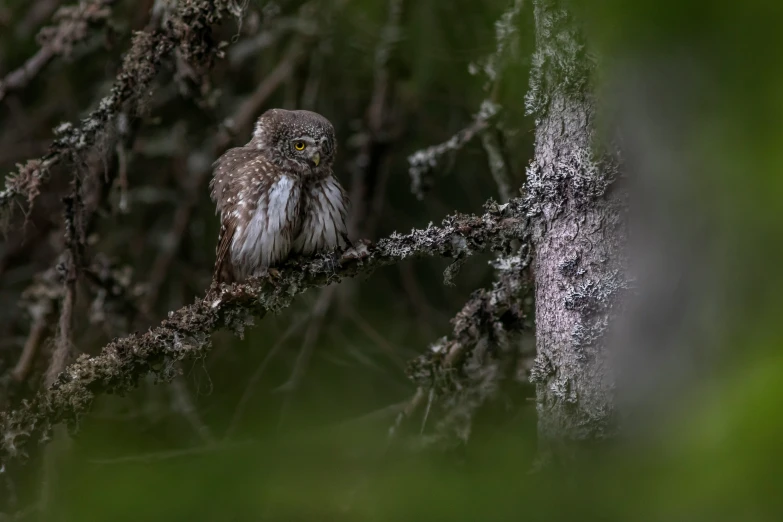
[{"x": 291, "y": 422}]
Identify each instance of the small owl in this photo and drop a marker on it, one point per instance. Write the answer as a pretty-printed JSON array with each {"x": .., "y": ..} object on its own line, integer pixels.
[{"x": 277, "y": 195}]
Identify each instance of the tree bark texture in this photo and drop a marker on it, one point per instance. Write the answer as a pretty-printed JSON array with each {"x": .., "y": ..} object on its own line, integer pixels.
[{"x": 577, "y": 235}]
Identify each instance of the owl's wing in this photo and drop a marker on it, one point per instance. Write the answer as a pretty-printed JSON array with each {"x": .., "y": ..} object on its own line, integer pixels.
[
  {"x": 224, "y": 272},
  {"x": 226, "y": 186}
]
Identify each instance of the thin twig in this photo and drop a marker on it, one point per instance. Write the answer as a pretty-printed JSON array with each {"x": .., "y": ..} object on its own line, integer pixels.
[
  {"x": 377, "y": 135},
  {"x": 37, "y": 330},
  {"x": 379, "y": 339},
  {"x": 239, "y": 411},
  {"x": 498, "y": 165},
  {"x": 146, "y": 458},
  {"x": 424, "y": 161},
  {"x": 407, "y": 412},
  {"x": 430, "y": 399},
  {"x": 69, "y": 267},
  {"x": 184, "y": 405},
  {"x": 317, "y": 316},
  {"x": 376, "y": 415},
  {"x": 248, "y": 110}
]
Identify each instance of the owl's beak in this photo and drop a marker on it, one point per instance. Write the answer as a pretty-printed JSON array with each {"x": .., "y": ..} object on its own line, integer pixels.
[{"x": 316, "y": 158}]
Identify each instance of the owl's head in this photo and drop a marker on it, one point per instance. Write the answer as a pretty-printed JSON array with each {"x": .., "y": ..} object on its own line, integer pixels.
[{"x": 297, "y": 139}]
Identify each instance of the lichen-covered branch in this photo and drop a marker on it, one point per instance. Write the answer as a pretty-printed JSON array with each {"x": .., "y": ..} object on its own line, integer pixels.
[
  {"x": 467, "y": 368},
  {"x": 185, "y": 334},
  {"x": 422, "y": 162},
  {"x": 188, "y": 31}
]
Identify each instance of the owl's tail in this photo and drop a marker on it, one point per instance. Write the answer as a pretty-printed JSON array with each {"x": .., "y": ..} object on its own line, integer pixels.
[{"x": 223, "y": 272}]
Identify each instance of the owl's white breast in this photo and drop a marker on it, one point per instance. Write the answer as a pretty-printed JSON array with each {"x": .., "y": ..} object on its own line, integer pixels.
[
  {"x": 324, "y": 226},
  {"x": 268, "y": 236}
]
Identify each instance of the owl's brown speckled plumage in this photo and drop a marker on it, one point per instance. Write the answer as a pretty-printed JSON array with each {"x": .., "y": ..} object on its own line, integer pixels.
[{"x": 277, "y": 195}]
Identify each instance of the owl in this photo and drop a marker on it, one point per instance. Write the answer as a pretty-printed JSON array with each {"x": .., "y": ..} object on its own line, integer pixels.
[{"x": 277, "y": 196}]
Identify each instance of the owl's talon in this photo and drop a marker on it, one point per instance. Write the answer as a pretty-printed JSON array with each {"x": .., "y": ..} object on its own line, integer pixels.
[
  {"x": 356, "y": 252},
  {"x": 267, "y": 273}
]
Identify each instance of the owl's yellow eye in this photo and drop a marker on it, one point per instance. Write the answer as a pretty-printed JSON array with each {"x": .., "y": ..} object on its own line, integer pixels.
[{"x": 299, "y": 145}]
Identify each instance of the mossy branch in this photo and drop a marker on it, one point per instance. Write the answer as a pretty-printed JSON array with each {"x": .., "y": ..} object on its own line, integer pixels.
[{"x": 185, "y": 334}]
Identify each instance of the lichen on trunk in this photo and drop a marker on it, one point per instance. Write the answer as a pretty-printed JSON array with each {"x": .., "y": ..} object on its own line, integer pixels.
[{"x": 577, "y": 235}]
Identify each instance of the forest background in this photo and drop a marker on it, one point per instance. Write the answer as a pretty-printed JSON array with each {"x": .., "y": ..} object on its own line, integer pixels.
[{"x": 111, "y": 113}]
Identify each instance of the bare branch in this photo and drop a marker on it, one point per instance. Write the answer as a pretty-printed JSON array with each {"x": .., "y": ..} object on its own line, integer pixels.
[
  {"x": 498, "y": 165},
  {"x": 406, "y": 412},
  {"x": 369, "y": 172},
  {"x": 239, "y": 411},
  {"x": 248, "y": 110},
  {"x": 186, "y": 332},
  {"x": 184, "y": 405},
  {"x": 37, "y": 330},
  {"x": 313, "y": 332},
  {"x": 69, "y": 267},
  {"x": 175, "y": 453}
]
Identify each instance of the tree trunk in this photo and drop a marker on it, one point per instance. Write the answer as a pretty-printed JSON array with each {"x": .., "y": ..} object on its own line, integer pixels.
[{"x": 577, "y": 236}]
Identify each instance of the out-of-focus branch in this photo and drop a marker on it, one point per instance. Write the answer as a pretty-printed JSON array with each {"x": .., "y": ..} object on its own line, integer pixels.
[
  {"x": 249, "y": 109},
  {"x": 498, "y": 166},
  {"x": 72, "y": 27},
  {"x": 38, "y": 13},
  {"x": 57, "y": 284},
  {"x": 239, "y": 411},
  {"x": 30, "y": 349},
  {"x": 316, "y": 322},
  {"x": 69, "y": 267},
  {"x": 188, "y": 31},
  {"x": 368, "y": 182},
  {"x": 407, "y": 411},
  {"x": 40, "y": 301},
  {"x": 186, "y": 332},
  {"x": 303, "y": 25}
]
